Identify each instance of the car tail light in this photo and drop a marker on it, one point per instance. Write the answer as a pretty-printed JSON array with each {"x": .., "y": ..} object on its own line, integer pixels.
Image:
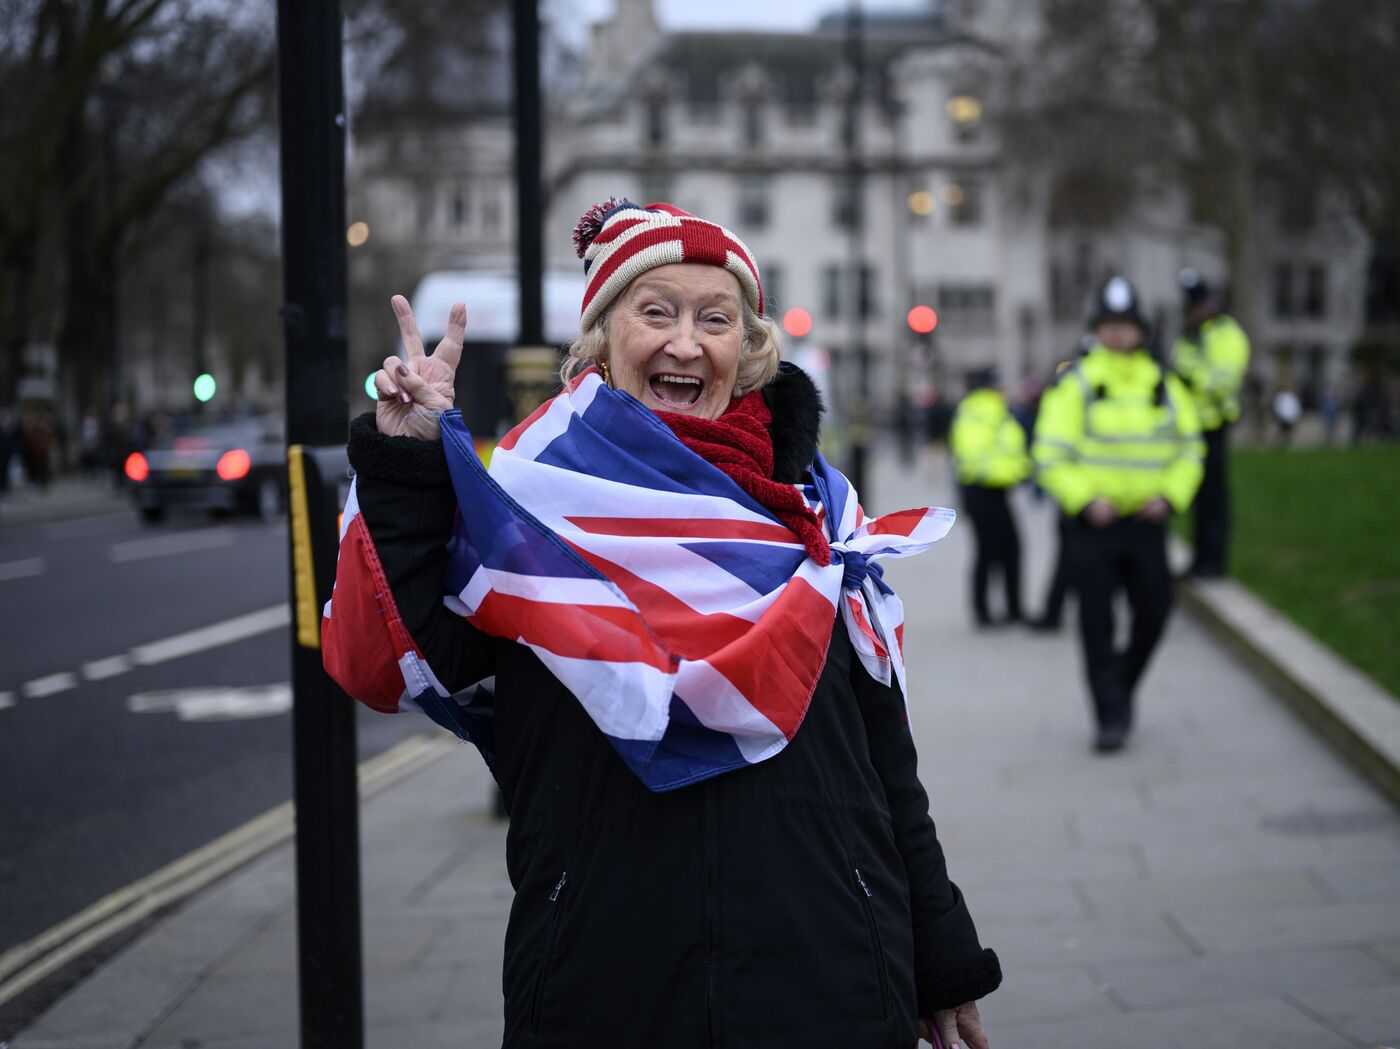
[
  {"x": 136, "y": 467},
  {"x": 233, "y": 465}
]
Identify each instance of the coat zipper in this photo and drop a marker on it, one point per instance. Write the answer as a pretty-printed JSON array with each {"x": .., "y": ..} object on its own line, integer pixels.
[
  {"x": 875, "y": 942},
  {"x": 547, "y": 959}
]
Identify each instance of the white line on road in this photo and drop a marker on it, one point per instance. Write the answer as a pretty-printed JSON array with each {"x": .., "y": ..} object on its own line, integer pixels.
[
  {"x": 47, "y": 686},
  {"x": 26, "y": 964},
  {"x": 238, "y": 628},
  {"x": 177, "y": 543},
  {"x": 111, "y": 666},
  {"x": 30, "y": 566},
  {"x": 7, "y": 699}
]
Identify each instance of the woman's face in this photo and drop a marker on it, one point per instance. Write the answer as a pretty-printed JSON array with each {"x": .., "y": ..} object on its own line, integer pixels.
[{"x": 674, "y": 339}]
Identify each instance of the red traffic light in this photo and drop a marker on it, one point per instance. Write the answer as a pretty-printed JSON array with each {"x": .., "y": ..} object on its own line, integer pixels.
[
  {"x": 922, "y": 319},
  {"x": 797, "y": 322}
]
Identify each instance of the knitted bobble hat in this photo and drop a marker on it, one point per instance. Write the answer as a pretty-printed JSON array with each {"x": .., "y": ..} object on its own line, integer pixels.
[{"x": 619, "y": 241}]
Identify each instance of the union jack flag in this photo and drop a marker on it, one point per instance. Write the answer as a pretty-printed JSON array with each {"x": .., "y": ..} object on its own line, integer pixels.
[{"x": 683, "y": 615}]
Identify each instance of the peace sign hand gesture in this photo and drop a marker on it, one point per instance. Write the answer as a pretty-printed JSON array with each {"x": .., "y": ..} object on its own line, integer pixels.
[{"x": 414, "y": 392}]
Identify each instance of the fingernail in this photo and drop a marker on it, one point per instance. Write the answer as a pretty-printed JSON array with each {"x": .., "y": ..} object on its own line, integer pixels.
[
  {"x": 402, "y": 370},
  {"x": 393, "y": 391},
  {"x": 405, "y": 398}
]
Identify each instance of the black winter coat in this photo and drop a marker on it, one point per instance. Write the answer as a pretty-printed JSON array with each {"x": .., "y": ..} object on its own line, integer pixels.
[{"x": 802, "y": 901}]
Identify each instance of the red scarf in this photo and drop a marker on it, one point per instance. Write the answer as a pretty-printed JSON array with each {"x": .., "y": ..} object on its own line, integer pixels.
[{"x": 738, "y": 443}]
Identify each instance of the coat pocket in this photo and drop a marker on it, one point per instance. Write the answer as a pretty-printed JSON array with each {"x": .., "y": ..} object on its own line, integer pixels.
[
  {"x": 554, "y": 906},
  {"x": 876, "y": 945}
]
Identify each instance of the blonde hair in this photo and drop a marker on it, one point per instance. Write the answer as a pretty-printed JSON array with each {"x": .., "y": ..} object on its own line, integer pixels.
[{"x": 758, "y": 358}]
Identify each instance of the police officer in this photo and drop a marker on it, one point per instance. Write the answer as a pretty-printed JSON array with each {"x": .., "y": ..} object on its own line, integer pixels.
[
  {"x": 989, "y": 450},
  {"x": 1118, "y": 446},
  {"x": 1211, "y": 356}
]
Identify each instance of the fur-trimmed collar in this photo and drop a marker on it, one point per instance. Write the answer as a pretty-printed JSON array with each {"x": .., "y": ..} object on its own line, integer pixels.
[{"x": 797, "y": 409}]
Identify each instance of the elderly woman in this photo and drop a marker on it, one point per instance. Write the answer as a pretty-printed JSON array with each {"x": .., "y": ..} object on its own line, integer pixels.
[{"x": 659, "y": 617}]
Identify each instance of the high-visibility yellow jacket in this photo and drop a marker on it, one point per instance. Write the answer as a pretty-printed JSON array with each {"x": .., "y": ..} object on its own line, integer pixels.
[
  {"x": 1212, "y": 360},
  {"x": 1115, "y": 426},
  {"x": 988, "y": 444}
]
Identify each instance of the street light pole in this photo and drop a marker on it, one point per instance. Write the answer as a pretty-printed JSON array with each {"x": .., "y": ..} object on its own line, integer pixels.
[
  {"x": 529, "y": 194},
  {"x": 326, "y": 797},
  {"x": 859, "y": 298}
]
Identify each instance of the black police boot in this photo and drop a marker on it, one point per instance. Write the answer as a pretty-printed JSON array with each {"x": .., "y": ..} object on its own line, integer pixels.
[{"x": 1111, "y": 737}]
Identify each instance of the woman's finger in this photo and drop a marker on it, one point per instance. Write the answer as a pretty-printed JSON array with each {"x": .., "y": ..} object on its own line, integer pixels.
[
  {"x": 402, "y": 377},
  {"x": 947, "y": 1025},
  {"x": 408, "y": 327},
  {"x": 449, "y": 350},
  {"x": 384, "y": 387}
]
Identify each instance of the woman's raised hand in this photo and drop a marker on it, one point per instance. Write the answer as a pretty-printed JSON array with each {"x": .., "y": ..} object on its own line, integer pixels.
[{"x": 414, "y": 391}]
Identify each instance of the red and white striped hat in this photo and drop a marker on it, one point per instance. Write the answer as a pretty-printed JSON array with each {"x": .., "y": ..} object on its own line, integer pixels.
[{"x": 618, "y": 241}]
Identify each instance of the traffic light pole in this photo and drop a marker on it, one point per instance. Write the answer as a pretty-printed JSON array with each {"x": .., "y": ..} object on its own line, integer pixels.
[
  {"x": 529, "y": 192},
  {"x": 311, "y": 105}
]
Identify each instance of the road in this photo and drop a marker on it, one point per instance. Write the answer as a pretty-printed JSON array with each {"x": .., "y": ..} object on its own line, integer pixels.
[{"x": 144, "y": 705}]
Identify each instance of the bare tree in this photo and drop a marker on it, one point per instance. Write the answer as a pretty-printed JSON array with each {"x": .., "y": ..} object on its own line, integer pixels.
[{"x": 107, "y": 106}]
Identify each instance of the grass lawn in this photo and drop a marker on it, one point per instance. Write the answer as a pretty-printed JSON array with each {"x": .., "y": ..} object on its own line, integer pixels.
[{"x": 1317, "y": 535}]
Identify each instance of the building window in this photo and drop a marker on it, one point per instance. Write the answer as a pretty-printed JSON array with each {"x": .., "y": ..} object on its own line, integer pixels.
[
  {"x": 491, "y": 213},
  {"x": 460, "y": 204},
  {"x": 831, "y": 290},
  {"x": 869, "y": 305},
  {"x": 965, "y": 113},
  {"x": 844, "y": 203},
  {"x": 753, "y": 202},
  {"x": 1315, "y": 292},
  {"x": 1283, "y": 290},
  {"x": 964, "y": 200},
  {"x": 968, "y": 307},
  {"x": 772, "y": 276},
  {"x": 752, "y": 123},
  {"x": 655, "y": 187},
  {"x": 654, "y": 121}
]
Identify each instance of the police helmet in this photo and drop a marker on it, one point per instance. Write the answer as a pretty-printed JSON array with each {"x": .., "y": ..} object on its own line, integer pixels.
[
  {"x": 1194, "y": 289},
  {"x": 1117, "y": 300}
]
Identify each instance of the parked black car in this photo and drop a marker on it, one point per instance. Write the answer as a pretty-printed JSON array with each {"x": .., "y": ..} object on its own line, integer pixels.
[{"x": 223, "y": 468}]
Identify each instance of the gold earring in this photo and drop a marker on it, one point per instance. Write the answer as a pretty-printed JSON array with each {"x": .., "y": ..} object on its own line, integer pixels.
[{"x": 603, "y": 367}]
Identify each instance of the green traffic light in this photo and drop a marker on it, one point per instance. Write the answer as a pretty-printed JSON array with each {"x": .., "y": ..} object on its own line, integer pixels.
[{"x": 204, "y": 387}]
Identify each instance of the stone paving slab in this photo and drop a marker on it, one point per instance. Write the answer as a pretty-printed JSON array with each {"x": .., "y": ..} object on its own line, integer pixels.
[{"x": 1226, "y": 881}]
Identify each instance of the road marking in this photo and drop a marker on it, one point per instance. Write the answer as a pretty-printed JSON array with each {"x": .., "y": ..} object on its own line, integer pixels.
[
  {"x": 47, "y": 686},
  {"x": 111, "y": 666},
  {"x": 176, "y": 543},
  {"x": 23, "y": 966},
  {"x": 215, "y": 704},
  {"x": 238, "y": 628},
  {"x": 30, "y": 566},
  {"x": 7, "y": 699}
]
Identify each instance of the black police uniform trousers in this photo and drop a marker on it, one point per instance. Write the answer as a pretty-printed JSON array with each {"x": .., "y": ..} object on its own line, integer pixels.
[
  {"x": 1211, "y": 509},
  {"x": 1130, "y": 555},
  {"x": 998, "y": 547}
]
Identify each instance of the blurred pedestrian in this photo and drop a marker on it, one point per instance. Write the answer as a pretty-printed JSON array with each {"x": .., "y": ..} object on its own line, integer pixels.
[
  {"x": 8, "y": 440},
  {"x": 1287, "y": 411},
  {"x": 38, "y": 438},
  {"x": 989, "y": 452},
  {"x": 1331, "y": 414},
  {"x": 90, "y": 446},
  {"x": 1211, "y": 356},
  {"x": 656, "y": 618},
  {"x": 1118, "y": 446}
]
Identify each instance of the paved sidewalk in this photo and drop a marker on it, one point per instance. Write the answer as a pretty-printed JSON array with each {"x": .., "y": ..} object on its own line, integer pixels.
[
  {"x": 1225, "y": 882},
  {"x": 70, "y": 495}
]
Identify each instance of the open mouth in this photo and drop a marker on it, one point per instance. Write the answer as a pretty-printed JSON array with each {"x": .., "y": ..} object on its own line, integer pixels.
[{"x": 676, "y": 391}]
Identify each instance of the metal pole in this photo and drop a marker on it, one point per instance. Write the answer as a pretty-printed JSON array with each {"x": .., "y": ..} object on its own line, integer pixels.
[
  {"x": 855, "y": 181},
  {"x": 314, "y": 320},
  {"x": 529, "y": 192}
]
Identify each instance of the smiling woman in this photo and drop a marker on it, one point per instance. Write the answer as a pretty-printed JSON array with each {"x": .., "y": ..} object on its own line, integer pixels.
[{"x": 659, "y": 617}]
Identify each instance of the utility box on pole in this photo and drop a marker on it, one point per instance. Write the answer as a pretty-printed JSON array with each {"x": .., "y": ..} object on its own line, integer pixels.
[{"x": 326, "y": 796}]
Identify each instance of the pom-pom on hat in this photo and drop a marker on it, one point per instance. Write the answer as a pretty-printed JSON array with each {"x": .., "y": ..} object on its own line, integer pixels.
[{"x": 619, "y": 241}]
